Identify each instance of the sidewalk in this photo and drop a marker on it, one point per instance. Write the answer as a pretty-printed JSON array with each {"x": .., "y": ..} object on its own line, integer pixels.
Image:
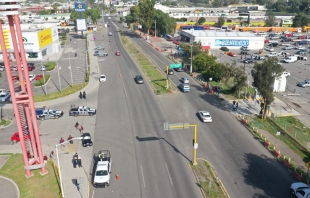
[{"x": 69, "y": 174}]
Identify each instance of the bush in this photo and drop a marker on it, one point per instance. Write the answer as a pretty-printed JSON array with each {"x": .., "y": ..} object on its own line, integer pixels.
[
  {"x": 63, "y": 38},
  {"x": 63, "y": 34},
  {"x": 50, "y": 66},
  {"x": 41, "y": 82},
  {"x": 63, "y": 42}
]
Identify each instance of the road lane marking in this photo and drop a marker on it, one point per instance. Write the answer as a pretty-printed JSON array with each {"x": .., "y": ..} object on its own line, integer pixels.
[
  {"x": 142, "y": 176},
  {"x": 169, "y": 174}
]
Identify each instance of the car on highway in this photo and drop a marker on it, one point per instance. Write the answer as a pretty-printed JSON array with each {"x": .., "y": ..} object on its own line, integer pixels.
[
  {"x": 39, "y": 76},
  {"x": 170, "y": 71},
  {"x": 184, "y": 87},
  {"x": 4, "y": 96},
  {"x": 205, "y": 116},
  {"x": 99, "y": 48},
  {"x": 286, "y": 74},
  {"x": 248, "y": 61},
  {"x": 179, "y": 69},
  {"x": 32, "y": 77},
  {"x": 43, "y": 68},
  {"x": 103, "y": 54},
  {"x": 288, "y": 48},
  {"x": 184, "y": 80},
  {"x": 304, "y": 84},
  {"x": 102, "y": 78},
  {"x": 232, "y": 54},
  {"x": 225, "y": 49},
  {"x": 270, "y": 49},
  {"x": 110, "y": 33},
  {"x": 86, "y": 140},
  {"x": 300, "y": 190},
  {"x": 2, "y": 68},
  {"x": 139, "y": 79},
  {"x": 118, "y": 53}
]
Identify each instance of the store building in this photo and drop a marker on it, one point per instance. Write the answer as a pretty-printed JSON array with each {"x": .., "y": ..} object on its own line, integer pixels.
[
  {"x": 211, "y": 39},
  {"x": 39, "y": 40}
]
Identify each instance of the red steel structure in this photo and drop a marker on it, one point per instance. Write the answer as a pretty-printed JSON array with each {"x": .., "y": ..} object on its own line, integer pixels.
[{"x": 22, "y": 102}]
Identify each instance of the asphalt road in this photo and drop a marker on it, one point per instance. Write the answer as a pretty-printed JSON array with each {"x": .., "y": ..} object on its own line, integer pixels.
[
  {"x": 241, "y": 162},
  {"x": 149, "y": 161}
]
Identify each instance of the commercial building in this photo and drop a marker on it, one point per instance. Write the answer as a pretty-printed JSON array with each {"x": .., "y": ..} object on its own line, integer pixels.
[
  {"x": 39, "y": 40},
  {"x": 212, "y": 39}
]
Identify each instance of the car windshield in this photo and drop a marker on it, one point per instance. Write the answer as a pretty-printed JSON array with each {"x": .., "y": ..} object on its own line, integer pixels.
[
  {"x": 206, "y": 115},
  {"x": 101, "y": 173}
]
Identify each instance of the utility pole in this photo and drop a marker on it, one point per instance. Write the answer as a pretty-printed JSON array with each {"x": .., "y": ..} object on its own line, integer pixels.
[{"x": 155, "y": 28}]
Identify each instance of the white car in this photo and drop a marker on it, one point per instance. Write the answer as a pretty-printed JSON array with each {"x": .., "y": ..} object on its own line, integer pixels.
[
  {"x": 288, "y": 48},
  {"x": 110, "y": 33},
  {"x": 2, "y": 68},
  {"x": 300, "y": 190},
  {"x": 272, "y": 54},
  {"x": 14, "y": 68},
  {"x": 102, "y": 78},
  {"x": 43, "y": 68},
  {"x": 270, "y": 49},
  {"x": 4, "y": 96},
  {"x": 300, "y": 48},
  {"x": 32, "y": 77},
  {"x": 296, "y": 35},
  {"x": 205, "y": 116},
  {"x": 286, "y": 74},
  {"x": 273, "y": 41},
  {"x": 185, "y": 80}
]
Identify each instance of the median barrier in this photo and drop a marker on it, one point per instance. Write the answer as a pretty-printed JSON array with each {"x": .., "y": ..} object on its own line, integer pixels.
[
  {"x": 297, "y": 175},
  {"x": 267, "y": 144},
  {"x": 277, "y": 154},
  {"x": 287, "y": 164},
  {"x": 243, "y": 121}
]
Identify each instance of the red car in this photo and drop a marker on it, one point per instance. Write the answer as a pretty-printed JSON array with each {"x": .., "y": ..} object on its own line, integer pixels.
[
  {"x": 14, "y": 77},
  {"x": 302, "y": 37},
  {"x": 176, "y": 42},
  {"x": 118, "y": 53},
  {"x": 266, "y": 41},
  {"x": 289, "y": 35},
  {"x": 39, "y": 77},
  {"x": 15, "y": 137},
  {"x": 232, "y": 54}
]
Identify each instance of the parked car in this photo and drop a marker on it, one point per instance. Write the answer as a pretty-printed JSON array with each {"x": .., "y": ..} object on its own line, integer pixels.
[
  {"x": 15, "y": 77},
  {"x": 118, "y": 53},
  {"x": 102, "y": 54},
  {"x": 96, "y": 53},
  {"x": 2, "y": 68},
  {"x": 39, "y": 76},
  {"x": 15, "y": 137},
  {"x": 176, "y": 42},
  {"x": 286, "y": 40},
  {"x": 139, "y": 79},
  {"x": 86, "y": 141},
  {"x": 232, "y": 54},
  {"x": 286, "y": 74},
  {"x": 102, "y": 78},
  {"x": 249, "y": 61},
  {"x": 99, "y": 48},
  {"x": 302, "y": 37},
  {"x": 205, "y": 116},
  {"x": 266, "y": 41},
  {"x": 273, "y": 44},
  {"x": 300, "y": 190},
  {"x": 4, "y": 96},
  {"x": 305, "y": 83},
  {"x": 31, "y": 66},
  {"x": 272, "y": 54},
  {"x": 288, "y": 48},
  {"x": 245, "y": 53},
  {"x": 43, "y": 68},
  {"x": 32, "y": 77},
  {"x": 270, "y": 49},
  {"x": 296, "y": 35},
  {"x": 179, "y": 69},
  {"x": 225, "y": 49},
  {"x": 300, "y": 48}
]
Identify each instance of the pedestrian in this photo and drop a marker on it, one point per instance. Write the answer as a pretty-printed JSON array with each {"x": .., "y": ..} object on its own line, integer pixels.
[
  {"x": 82, "y": 129},
  {"x": 52, "y": 155},
  {"x": 237, "y": 105},
  {"x": 84, "y": 95},
  {"x": 76, "y": 125},
  {"x": 79, "y": 162},
  {"x": 61, "y": 141},
  {"x": 81, "y": 95},
  {"x": 70, "y": 139}
]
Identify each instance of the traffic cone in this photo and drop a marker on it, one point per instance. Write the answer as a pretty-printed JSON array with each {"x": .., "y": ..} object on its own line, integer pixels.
[{"x": 117, "y": 177}]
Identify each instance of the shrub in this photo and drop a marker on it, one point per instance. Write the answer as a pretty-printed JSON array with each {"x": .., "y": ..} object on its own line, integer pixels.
[
  {"x": 63, "y": 42},
  {"x": 63, "y": 34},
  {"x": 41, "y": 82},
  {"x": 50, "y": 66}
]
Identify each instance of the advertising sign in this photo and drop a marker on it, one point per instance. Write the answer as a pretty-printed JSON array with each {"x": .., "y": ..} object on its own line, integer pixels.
[
  {"x": 45, "y": 37},
  {"x": 80, "y": 7},
  {"x": 6, "y": 36},
  {"x": 231, "y": 42},
  {"x": 81, "y": 25},
  {"x": 55, "y": 33}
]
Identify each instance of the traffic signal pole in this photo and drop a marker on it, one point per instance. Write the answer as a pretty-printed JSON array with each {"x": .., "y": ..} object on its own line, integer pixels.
[{"x": 167, "y": 81}]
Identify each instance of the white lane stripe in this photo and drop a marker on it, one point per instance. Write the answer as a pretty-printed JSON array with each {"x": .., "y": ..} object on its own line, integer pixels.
[
  {"x": 169, "y": 174},
  {"x": 142, "y": 176}
]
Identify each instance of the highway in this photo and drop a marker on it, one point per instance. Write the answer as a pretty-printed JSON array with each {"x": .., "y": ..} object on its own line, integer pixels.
[
  {"x": 241, "y": 162},
  {"x": 130, "y": 117}
]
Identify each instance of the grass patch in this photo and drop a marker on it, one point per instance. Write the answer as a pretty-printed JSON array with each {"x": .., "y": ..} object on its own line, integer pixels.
[
  {"x": 207, "y": 180},
  {"x": 65, "y": 92},
  {"x": 5, "y": 123},
  {"x": 35, "y": 187},
  {"x": 42, "y": 80},
  {"x": 156, "y": 77},
  {"x": 87, "y": 75},
  {"x": 50, "y": 66}
]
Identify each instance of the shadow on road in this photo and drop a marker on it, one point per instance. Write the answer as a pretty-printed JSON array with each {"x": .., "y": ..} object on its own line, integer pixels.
[{"x": 144, "y": 139}]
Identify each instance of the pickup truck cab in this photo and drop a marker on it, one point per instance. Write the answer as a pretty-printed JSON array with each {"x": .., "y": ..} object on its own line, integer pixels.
[
  {"x": 81, "y": 111},
  {"x": 102, "y": 163},
  {"x": 44, "y": 114}
]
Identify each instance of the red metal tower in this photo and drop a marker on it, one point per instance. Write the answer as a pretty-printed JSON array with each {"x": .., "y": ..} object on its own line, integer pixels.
[{"x": 23, "y": 102}]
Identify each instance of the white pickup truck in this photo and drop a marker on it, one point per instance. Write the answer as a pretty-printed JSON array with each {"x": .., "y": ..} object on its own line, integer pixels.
[{"x": 102, "y": 163}]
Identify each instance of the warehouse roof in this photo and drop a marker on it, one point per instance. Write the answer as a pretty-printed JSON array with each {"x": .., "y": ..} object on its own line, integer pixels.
[{"x": 217, "y": 33}]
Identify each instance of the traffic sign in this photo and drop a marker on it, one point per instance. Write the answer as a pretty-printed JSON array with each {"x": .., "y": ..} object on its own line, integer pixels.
[
  {"x": 80, "y": 7},
  {"x": 178, "y": 65},
  {"x": 175, "y": 126}
]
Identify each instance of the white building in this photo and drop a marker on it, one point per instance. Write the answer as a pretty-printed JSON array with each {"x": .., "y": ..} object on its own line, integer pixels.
[
  {"x": 212, "y": 39},
  {"x": 280, "y": 84},
  {"x": 39, "y": 40}
]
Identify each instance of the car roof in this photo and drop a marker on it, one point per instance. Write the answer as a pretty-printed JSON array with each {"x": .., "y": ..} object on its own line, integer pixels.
[
  {"x": 102, "y": 75},
  {"x": 205, "y": 112}
]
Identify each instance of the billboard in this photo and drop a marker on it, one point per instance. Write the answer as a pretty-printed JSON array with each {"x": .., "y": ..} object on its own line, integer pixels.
[
  {"x": 231, "y": 42},
  {"x": 80, "y": 7},
  {"x": 55, "y": 33},
  {"x": 45, "y": 37},
  {"x": 81, "y": 25}
]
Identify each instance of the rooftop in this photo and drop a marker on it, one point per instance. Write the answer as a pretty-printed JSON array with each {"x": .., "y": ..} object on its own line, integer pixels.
[{"x": 216, "y": 33}]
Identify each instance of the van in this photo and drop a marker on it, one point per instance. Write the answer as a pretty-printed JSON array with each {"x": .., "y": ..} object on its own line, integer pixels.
[
  {"x": 184, "y": 87},
  {"x": 290, "y": 59}
]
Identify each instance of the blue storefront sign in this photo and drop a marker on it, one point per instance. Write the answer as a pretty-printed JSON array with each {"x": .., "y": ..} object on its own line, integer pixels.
[
  {"x": 80, "y": 7},
  {"x": 231, "y": 42}
]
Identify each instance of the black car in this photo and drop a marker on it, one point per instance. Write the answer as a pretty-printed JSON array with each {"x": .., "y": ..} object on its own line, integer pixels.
[
  {"x": 248, "y": 61},
  {"x": 86, "y": 141},
  {"x": 180, "y": 69},
  {"x": 286, "y": 40},
  {"x": 245, "y": 53},
  {"x": 170, "y": 71},
  {"x": 273, "y": 44},
  {"x": 139, "y": 79},
  {"x": 225, "y": 49}
]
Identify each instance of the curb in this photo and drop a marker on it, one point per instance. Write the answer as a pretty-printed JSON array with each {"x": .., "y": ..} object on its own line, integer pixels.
[
  {"x": 14, "y": 184},
  {"x": 44, "y": 84},
  {"x": 1, "y": 128}
]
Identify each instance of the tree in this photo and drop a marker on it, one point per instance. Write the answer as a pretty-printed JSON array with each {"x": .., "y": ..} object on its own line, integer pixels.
[
  {"x": 93, "y": 14},
  {"x": 280, "y": 6},
  {"x": 218, "y": 3},
  {"x": 270, "y": 20},
  {"x": 146, "y": 17},
  {"x": 121, "y": 19},
  {"x": 202, "y": 61},
  {"x": 294, "y": 5},
  {"x": 164, "y": 23},
  {"x": 240, "y": 78},
  {"x": 201, "y": 20},
  {"x": 186, "y": 47},
  {"x": 135, "y": 13},
  {"x": 91, "y": 2},
  {"x": 220, "y": 21},
  {"x": 43, "y": 12},
  {"x": 300, "y": 20},
  {"x": 264, "y": 75}
]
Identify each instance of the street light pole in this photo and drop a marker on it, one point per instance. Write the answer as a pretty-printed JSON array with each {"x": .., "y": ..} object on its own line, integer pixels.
[
  {"x": 70, "y": 70},
  {"x": 191, "y": 67},
  {"x": 58, "y": 74},
  {"x": 155, "y": 28},
  {"x": 58, "y": 164},
  {"x": 43, "y": 78}
]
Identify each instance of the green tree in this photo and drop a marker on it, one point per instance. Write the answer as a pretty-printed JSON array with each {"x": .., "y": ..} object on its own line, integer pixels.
[
  {"x": 293, "y": 5},
  {"x": 220, "y": 21},
  {"x": 43, "y": 12},
  {"x": 218, "y": 3},
  {"x": 270, "y": 20},
  {"x": 146, "y": 17},
  {"x": 280, "y": 6},
  {"x": 121, "y": 19},
  {"x": 202, "y": 61},
  {"x": 164, "y": 23},
  {"x": 91, "y": 2},
  {"x": 240, "y": 79},
  {"x": 135, "y": 13},
  {"x": 201, "y": 20},
  {"x": 94, "y": 14},
  {"x": 264, "y": 75},
  {"x": 186, "y": 47},
  {"x": 300, "y": 20}
]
